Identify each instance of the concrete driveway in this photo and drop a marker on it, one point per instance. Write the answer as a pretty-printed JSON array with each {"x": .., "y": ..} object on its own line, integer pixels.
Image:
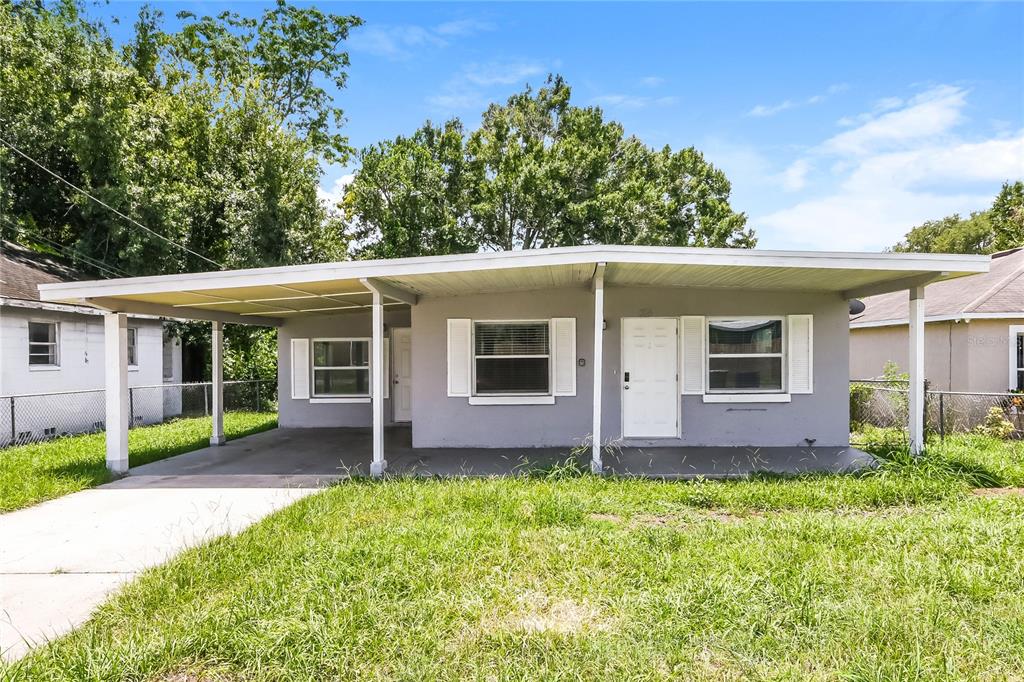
[{"x": 60, "y": 559}]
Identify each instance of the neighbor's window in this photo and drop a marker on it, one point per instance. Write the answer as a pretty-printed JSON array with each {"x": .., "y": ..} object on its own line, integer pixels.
[
  {"x": 1020, "y": 361},
  {"x": 341, "y": 367},
  {"x": 168, "y": 357},
  {"x": 42, "y": 344},
  {"x": 133, "y": 346},
  {"x": 745, "y": 355},
  {"x": 511, "y": 358}
]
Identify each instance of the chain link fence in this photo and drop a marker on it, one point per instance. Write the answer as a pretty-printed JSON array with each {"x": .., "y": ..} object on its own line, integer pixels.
[
  {"x": 883, "y": 403},
  {"x": 28, "y": 418}
]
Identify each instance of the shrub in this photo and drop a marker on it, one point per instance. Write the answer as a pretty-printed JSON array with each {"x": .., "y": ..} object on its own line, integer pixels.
[{"x": 996, "y": 425}]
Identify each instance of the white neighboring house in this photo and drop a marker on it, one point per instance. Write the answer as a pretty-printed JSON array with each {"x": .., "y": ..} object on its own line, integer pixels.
[{"x": 50, "y": 348}]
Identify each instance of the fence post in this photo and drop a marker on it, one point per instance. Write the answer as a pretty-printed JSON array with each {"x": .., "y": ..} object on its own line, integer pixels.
[
  {"x": 942, "y": 417},
  {"x": 924, "y": 412},
  {"x": 14, "y": 431},
  {"x": 206, "y": 401},
  {"x": 131, "y": 407},
  {"x": 258, "y": 382}
]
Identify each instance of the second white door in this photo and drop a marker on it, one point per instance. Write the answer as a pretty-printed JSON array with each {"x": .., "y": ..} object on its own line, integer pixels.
[
  {"x": 401, "y": 352},
  {"x": 650, "y": 395}
]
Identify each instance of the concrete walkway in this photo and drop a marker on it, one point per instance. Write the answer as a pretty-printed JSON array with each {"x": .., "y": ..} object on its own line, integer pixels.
[{"x": 60, "y": 559}]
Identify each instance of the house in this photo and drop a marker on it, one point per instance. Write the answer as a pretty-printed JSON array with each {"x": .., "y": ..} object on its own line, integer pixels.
[
  {"x": 974, "y": 331},
  {"x": 653, "y": 347},
  {"x": 48, "y": 347}
]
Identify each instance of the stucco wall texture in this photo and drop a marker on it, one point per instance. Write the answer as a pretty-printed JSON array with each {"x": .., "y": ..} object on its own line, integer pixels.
[
  {"x": 969, "y": 355},
  {"x": 440, "y": 421}
]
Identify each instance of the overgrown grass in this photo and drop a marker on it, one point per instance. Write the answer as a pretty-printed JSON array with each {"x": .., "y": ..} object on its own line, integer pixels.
[
  {"x": 41, "y": 471},
  {"x": 900, "y": 573}
]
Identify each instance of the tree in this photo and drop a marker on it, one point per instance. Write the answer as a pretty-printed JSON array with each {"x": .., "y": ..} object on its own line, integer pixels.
[
  {"x": 538, "y": 172},
  {"x": 999, "y": 228},
  {"x": 410, "y": 199},
  {"x": 1007, "y": 216}
]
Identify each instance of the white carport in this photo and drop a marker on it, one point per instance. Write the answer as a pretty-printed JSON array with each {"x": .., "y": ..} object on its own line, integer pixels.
[{"x": 267, "y": 296}]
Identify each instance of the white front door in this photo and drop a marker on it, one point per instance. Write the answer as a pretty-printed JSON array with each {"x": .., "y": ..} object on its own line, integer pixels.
[
  {"x": 401, "y": 352},
  {"x": 650, "y": 394}
]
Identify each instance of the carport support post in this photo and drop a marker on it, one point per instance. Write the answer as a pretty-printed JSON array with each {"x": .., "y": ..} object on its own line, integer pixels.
[
  {"x": 217, "y": 389},
  {"x": 115, "y": 350},
  {"x": 915, "y": 390},
  {"x": 596, "y": 465},
  {"x": 379, "y": 464}
]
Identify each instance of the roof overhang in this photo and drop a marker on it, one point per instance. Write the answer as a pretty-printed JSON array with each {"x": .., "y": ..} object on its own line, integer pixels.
[{"x": 267, "y": 296}]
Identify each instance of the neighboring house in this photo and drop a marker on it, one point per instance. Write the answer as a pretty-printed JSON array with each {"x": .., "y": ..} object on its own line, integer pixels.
[
  {"x": 974, "y": 330},
  {"x": 650, "y": 347},
  {"x": 58, "y": 347}
]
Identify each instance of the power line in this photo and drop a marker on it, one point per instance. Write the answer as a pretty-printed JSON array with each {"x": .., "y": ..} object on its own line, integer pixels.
[
  {"x": 69, "y": 252},
  {"x": 108, "y": 206},
  {"x": 107, "y": 269}
]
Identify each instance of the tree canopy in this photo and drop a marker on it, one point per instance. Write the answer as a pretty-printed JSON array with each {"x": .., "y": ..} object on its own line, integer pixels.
[
  {"x": 538, "y": 172},
  {"x": 998, "y": 228},
  {"x": 211, "y": 136}
]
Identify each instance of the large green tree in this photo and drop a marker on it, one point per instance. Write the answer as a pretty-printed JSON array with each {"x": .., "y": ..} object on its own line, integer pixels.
[
  {"x": 211, "y": 136},
  {"x": 538, "y": 172},
  {"x": 995, "y": 229}
]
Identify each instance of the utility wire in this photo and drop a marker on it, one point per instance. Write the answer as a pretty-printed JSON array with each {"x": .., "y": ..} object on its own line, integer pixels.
[
  {"x": 108, "y": 206},
  {"x": 69, "y": 252}
]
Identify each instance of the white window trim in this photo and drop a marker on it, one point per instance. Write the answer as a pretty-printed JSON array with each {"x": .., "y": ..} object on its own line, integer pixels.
[
  {"x": 1015, "y": 329},
  {"x": 132, "y": 367},
  {"x": 547, "y": 398},
  {"x": 747, "y": 398},
  {"x": 50, "y": 367},
  {"x": 315, "y": 397},
  {"x": 747, "y": 395},
  {"x": 511, "y": 399}
]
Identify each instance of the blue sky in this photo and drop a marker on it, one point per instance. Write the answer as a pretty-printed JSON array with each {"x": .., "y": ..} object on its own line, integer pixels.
[{"x": 840, "y": 125}]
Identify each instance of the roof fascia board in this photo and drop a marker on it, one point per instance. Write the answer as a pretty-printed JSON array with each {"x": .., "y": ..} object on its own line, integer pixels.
[
  {"x": 514, "y": 259},
  {"x": 940, "y": 318},
  {"x": 118, "y": 305}
]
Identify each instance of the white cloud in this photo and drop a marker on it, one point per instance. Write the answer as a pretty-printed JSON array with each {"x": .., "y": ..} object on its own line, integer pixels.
[
  {"x": 632, "y": 101},
  {"x": 930, "y": 113},
  {"x": 903, "y": 164},
  {"x": 404, "y": 41},
  {"x": 333, "y": 196},
  {"x": 468, "y": 89},
  {"x": 795, "y": 176},
  {"x": 652, "y": 81},
  {"x": 501, "y": 73},
  {"x": 463, "y": 27},
  {"x": 765, "y": 110}
]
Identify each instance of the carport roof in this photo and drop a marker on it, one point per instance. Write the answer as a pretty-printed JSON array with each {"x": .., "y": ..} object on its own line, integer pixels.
[{"x": 266, "y": 296}]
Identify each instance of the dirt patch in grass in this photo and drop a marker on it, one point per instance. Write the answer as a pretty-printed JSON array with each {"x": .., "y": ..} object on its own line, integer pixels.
[
  {"x": 998, "y": 492},
  {"x": 536, "y": 612}
]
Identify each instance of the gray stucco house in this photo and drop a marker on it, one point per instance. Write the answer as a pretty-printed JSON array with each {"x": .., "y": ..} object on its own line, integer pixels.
[
  {"x": 640, "y": 346},
  {"x": 974, "y": 329}
]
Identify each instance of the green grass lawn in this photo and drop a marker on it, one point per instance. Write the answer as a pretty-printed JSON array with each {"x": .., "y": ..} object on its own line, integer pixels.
[
  {"x": 902, "y": 573},
  {"x": 41, "y": 471}
]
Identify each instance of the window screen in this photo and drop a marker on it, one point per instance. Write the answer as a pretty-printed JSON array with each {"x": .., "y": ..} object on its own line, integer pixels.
[
  {"x": 341, "y": 367},
  {"x": 133, "y": 346},
  {"x": 42, "y": 343},
  {"x": 745, "y": 355},
  {"x": 512, "y": 358}
]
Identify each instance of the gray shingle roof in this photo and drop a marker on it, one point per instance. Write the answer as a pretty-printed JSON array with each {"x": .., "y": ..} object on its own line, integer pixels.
[
  {"x": 23, "y": 270},
  {"x": 1000, "y": 290}
]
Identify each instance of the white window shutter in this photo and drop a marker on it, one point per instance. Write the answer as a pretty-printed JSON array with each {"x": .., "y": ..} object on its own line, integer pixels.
[
  {"x": 563, "y": 353},
  {"x": 692, "y": 354},
  {"x": 387, "y": 367},
  {"x": 300, "y": 369},
  {"x": 801, "y": 353},
  {"x": 460, "y": 354}
]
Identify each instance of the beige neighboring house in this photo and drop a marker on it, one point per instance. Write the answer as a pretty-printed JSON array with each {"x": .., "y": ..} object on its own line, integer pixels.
[{"x": 974, "y": 330}]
